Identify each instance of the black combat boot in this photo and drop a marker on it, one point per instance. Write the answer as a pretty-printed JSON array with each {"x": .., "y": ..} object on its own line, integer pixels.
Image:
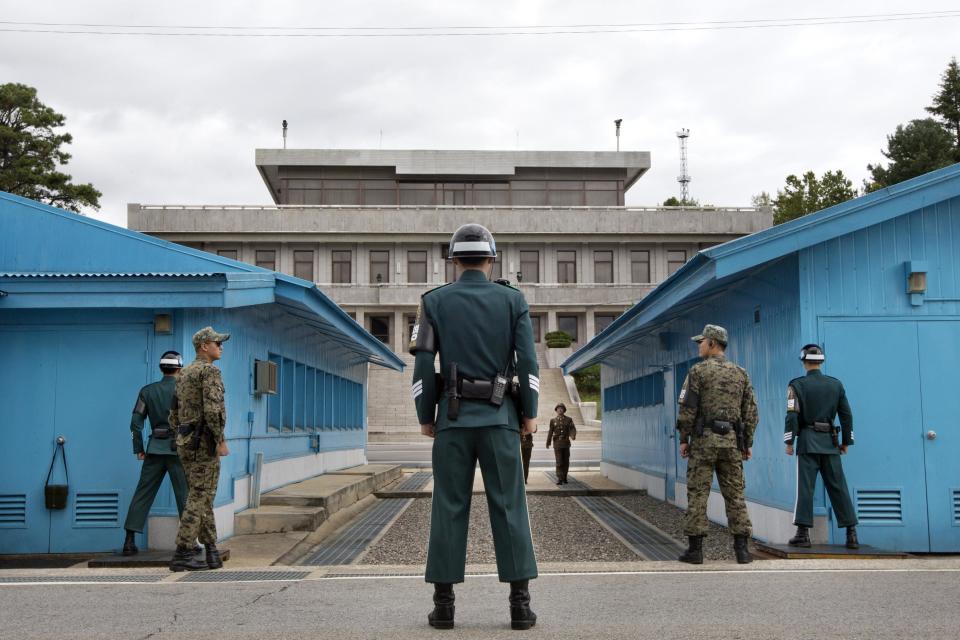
[
  {"x": 213, "y": 557},
  {"x": 184, "y": 560},
  {"x": 802, "y": 539},
  {"x": 521, "y": 616},
  {"x": 442, "y": 615},
  {"x": 694, "y": 552},
  {"x": 741, "y": 550},
  {"x": 852, "y": 542},
  {"x": 129, "y": 546}
]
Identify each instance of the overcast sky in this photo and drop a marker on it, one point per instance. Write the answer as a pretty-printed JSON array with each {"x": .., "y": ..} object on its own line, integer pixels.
[{"x": 175, "y": 120}]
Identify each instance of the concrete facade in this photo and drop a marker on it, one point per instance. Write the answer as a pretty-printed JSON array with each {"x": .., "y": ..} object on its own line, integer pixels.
[{"x": 558, "y": 218}]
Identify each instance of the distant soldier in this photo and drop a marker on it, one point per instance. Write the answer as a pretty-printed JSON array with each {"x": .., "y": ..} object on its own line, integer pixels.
[
  {"x": 483, "y": 334},
  {"x": 160, "y": 457},
  {"x": 813, "y": 402},
  {"x": 199, "y": 416},
  {"x": 717, "y": 418},
  {"x": 562, "y": 431},
  {"x": 526, "y": 450}
]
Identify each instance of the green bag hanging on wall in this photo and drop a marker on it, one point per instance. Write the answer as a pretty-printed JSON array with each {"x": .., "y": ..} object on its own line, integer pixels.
[{"x": 56, "y": 495}]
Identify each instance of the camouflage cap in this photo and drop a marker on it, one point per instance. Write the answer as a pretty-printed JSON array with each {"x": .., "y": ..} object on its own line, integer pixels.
[
  {"x": 207, "y": 334},
  {"x": 712, "y": 332}
]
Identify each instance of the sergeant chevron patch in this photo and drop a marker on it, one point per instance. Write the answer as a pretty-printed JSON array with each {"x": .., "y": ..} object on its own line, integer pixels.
[
  {"x": 416, "y": 389},
  {"x": 534, "y": 382}
]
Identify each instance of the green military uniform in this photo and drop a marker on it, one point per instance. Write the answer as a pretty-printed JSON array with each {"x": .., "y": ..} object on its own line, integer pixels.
[
  {"x": 160, "y": 457},
  {"x": 813, "y": 402},
  {"x": 200, "y": 416},
  {"x": 484, "y": 328},
  {"x": 562, "y": 431},
  {"x": 716, "y": 396},
  {"x": 526, "y": 450}
]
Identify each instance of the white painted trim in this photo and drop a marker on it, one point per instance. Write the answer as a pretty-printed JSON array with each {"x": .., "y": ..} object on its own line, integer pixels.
[{"x": 162, "y": 530}]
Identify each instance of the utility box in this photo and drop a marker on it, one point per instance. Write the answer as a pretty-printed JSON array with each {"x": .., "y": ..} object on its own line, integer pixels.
[{"x": 265, "y": 377}]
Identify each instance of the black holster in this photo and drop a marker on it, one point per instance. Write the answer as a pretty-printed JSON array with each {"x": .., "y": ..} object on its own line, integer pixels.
[
  {"x": 453, "y": 393},
  {"x": 741, "y": 436}
]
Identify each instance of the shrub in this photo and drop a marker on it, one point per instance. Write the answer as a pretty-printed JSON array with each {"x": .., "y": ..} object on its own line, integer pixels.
[{"x": 558, "y": 339}]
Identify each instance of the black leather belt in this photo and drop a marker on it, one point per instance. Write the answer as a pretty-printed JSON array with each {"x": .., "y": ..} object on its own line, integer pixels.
[
  {"x": 161, "y": 433},
  {"x": 821, "y": 427},
  {"x": 721, "y": 427}
]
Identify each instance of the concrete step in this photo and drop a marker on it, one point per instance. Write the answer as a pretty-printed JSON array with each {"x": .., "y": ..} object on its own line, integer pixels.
[
  {"x": 304, "y": 506},
  {"x": 276, "y": 518}
]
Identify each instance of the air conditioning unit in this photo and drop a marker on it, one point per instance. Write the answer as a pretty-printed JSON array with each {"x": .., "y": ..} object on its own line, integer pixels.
[{"x": 265, "y": 377}]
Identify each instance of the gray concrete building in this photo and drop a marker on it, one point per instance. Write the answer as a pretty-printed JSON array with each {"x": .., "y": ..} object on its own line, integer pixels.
[{"x": 370, "y": 227}]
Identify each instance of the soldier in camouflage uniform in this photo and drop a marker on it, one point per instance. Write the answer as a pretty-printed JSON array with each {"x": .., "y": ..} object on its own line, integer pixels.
[
  {"x": 562, "y": 431},
  {"x": 199, "y": 416},
  {"x": 717, "y": 419}
]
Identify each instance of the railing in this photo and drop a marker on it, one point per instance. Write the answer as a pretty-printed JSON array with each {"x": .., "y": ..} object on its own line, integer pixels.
[{"x": 343, "y": 207}]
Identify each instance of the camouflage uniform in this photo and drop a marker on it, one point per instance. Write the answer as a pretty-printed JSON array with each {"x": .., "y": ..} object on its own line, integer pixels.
[
  {"x": 716, "y": 389},
  {"x": 562, "y": 431},
  {"x": 199, "y": 401}
]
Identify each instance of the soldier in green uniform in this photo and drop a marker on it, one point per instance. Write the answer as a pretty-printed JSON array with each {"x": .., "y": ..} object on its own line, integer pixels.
[
  {"x": 526, "y": 450},
  {"x": 199, "y": 417},
  {"x": 717, "y": 419},
  {"x": 562, "y": 431},
  {"x": 159, "y": 458},
  {"x": 482, "y": 331},
  {"x": 813, "y": 402}
]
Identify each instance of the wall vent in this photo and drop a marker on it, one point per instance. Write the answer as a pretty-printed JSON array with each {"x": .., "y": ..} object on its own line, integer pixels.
[
  {"x": 97, "y": 510},
  {"x": 265, "y": 377},
  {"x": 13, "y": 510},
  {"x": 879, "y": 506},
  {"x": 956, "y": 507}
]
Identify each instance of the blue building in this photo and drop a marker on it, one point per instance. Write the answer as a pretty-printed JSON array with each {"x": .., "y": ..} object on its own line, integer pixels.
[
  {"x": 876, "y": 280},
  {"x": 86, "y": 309}
]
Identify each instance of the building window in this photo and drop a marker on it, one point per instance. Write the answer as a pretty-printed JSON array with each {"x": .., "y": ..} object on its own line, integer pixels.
[
  {"x": 603, "y": 320},
  {"x": 640, "y": 266},
  {"x": 529, "y": 266},
  {"x": 675, "y": 259},
  {"x": 379, "y": 267},
  {"x": 409, "y": 320},
  {"x": 566, "y": 267},
  {"x": 603, "y": 267},
  {"x": 303, "y": 264},
  {"x": 416, "y": 266},
  {"x": 568, "y": 324},
  {"x": 341, "y": 267},
  {"x": 266, "y": 259},
  {"x": 535, "y": 321},
  {"x": 380, "y": 328},
  {"x": 497, "y": 272},
  {"x": 228, "y": 253},
  {"x": 449, "y": 269}
]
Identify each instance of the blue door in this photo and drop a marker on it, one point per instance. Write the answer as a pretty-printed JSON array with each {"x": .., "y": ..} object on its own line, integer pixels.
[
  {"x": 79, "y": 383},
  {"x": 902, "y": 471},
  {"x": 670, "y": 442},
  {"x": 940, "y": 432},
  {"x": 879, "y": 366}
]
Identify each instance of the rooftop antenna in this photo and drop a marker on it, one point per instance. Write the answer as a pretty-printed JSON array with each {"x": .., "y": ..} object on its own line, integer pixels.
[
  {"x": 284, "y": 134},
  {"x": 684, "y": 178},
  {"x": 617, "y": 122}
]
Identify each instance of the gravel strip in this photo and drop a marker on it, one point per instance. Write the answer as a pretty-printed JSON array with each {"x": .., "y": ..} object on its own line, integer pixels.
[
  {"x": 718, "y": 545},
  {"x": 562, "y": 532}
]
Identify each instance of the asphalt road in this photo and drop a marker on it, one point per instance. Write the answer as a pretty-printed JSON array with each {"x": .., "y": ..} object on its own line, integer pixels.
[
  {"x": 753, "y": 604},
  {"x": 417, "y": 454}
]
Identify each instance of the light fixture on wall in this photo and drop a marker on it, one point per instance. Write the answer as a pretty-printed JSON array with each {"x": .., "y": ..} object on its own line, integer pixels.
[
  {"x": 162, "y": 323},
  {"x": 916, "y": 273}
]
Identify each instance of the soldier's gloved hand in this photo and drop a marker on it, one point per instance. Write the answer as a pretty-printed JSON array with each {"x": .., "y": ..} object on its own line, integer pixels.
[
  {"x": 789, "y": 449},
  {"x": 428, "y": 430},
  {"x": 684, "y": 450}
]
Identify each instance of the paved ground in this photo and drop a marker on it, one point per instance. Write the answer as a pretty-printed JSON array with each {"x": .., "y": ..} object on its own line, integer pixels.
[
  {"x": 854, "y": 599},
  {"x": 413, "y": 454}
]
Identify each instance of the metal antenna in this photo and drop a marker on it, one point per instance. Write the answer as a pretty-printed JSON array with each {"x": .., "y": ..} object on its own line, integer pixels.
[
  {"x": 617, "y": 122},
  {"x": 284, "y": 134},
  {"x": 684, "y": 178}
]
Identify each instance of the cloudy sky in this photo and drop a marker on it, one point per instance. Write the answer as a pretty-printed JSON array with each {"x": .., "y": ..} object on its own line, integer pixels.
[{"x": 176, "y": 119}]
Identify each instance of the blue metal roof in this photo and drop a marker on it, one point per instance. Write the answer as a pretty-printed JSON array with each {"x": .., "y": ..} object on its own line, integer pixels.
[
  {"x": 65, "y": 245},
  {"x": 738, "y": 257}
]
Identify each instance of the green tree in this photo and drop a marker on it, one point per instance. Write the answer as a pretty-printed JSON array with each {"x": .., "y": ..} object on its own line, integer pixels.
[
  {"x": 673, "y": 201},
  {"x": 914, "y": 149},
  {"x": 31, "y": 152},
  {"x": 946, "y": 104},
  {"x": 807, "y": 194},
  {"x": 761, "y": 199}
]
